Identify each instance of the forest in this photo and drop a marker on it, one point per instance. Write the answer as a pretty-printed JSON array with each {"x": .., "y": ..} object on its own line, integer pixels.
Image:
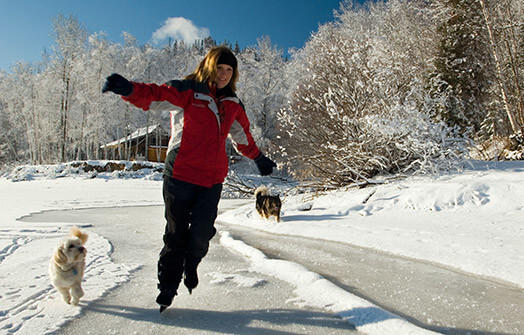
[{"x": 395, "y": 87}]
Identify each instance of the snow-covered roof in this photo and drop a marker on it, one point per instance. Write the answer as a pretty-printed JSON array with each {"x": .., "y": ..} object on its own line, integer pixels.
[{"x": 140, "y": 132}]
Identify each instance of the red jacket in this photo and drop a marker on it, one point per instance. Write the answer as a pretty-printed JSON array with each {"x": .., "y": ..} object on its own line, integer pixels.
[{"x": 200, "y": 124}]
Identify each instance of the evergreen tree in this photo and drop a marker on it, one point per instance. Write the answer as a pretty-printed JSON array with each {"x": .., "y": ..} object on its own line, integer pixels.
[
  {"x": 237, "y": 50},
  {"x": 462, "y": 64}
]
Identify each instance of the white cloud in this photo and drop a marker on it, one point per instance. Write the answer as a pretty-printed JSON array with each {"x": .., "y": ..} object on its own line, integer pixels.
[{"x": 179, "y": 28}]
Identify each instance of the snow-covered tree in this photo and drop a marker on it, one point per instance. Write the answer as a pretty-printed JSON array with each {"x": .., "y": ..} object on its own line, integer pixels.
[
  {"x": 95, "y": 64},
  {"x": 262, "y": 88},
  {"x": 12, "y": 124},
  {"x": 70, "y": 38},
  {"x": 359, "y": 106},
  {"x": 478, "y": 67}
]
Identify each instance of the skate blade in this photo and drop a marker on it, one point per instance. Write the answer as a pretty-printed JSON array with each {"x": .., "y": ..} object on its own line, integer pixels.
[{"x": 162, "y": 308}]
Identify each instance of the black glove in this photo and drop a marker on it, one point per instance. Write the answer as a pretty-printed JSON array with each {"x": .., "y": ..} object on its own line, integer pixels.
[
  {"x": 118, "y": 84},
  {"x": 264, "y": 165}
]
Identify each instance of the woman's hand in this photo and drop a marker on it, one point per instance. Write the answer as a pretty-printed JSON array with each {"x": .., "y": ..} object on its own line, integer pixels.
[
  {"x": 118, "y": 84},
  {"x": 264, "y": 165}
]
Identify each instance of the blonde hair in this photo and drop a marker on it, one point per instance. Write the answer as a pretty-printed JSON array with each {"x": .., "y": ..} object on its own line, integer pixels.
[{"x": 207, "y": 69}]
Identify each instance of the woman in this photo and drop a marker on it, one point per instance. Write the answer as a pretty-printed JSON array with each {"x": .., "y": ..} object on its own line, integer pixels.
[{"x": 204, "y": 110}]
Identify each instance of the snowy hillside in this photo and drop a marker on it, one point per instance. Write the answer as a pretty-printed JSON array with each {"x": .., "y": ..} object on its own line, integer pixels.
[{"x": 470, "y": 221}]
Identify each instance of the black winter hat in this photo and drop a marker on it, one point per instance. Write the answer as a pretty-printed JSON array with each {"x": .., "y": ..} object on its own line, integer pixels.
[{"x": 227, "y": 58}]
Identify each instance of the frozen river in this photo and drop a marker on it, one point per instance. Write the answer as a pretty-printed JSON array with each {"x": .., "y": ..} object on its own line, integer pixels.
[{"x": 231, "y": 299}]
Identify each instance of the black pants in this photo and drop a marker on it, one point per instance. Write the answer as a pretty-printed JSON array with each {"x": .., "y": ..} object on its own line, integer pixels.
[{"x": 190, "y": 212}]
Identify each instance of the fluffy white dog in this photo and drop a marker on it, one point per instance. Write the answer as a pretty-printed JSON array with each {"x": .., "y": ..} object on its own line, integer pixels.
[{"x": 67, "y": 266}]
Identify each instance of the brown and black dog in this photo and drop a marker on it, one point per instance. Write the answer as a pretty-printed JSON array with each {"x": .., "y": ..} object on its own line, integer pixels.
[{"x": 267, "y": 205}]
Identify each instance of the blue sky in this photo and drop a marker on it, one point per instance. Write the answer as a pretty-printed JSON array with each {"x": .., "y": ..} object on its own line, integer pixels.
[{"x": 26, "y": 25}]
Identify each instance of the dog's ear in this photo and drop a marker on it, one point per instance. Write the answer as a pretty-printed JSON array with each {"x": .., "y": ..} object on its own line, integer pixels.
[
  {"x": 78, "y": 233},
  {"x": 59, "y": 256}
]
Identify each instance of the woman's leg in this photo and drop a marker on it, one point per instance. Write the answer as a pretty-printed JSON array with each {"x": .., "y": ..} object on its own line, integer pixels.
[
  {"x": 178, "y": 202},
  {"x": 201, "y": 231}
]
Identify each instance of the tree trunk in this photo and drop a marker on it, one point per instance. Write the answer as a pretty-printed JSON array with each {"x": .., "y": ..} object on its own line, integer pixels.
[
  {"x": 64, "y": 121},
  {"x": 512, "y": 52},
  {"x": 498, "y": 74},
  {"x": 82, "y": 126}
]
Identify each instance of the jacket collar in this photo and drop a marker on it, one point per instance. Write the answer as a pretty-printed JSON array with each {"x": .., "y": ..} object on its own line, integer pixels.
[{"x": 225, "y": 92}]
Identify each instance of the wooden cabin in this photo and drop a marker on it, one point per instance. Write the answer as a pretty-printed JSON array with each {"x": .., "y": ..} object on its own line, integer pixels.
[{"x": 144, "y": 144}]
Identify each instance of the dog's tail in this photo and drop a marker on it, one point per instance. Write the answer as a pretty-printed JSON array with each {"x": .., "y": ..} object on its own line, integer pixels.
[
  {"x": 261, "y": 190},
  {"x": 80, "y": 234}
]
